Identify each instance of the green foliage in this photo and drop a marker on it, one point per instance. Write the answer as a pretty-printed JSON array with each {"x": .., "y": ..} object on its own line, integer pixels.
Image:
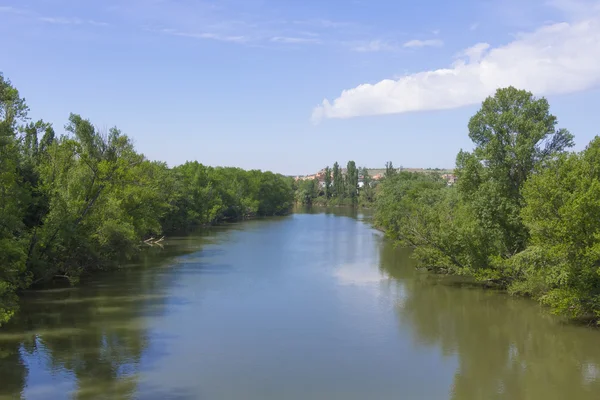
[
  {"x": 14, "y": 199},
  {"x": 327, "y": 182},
  {"x": 367, "y": 192},
  {"x": 85, "y": 201},
  {"x": 390, "y": 171},
  {"x": 307, "y": 192},
  {"x": 524, "y": 214},
  {"x": 337, "y": 188},
  {"x": 338, "y": 181},
  {"x": 561, "y": 266},
  {"x": 352, "y": 181},
  {"x": 513, "y": 133}
]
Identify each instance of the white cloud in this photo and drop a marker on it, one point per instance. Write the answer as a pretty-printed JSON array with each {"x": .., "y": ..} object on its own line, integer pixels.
[
  {"x": 373, "y": 46},
  {"x": 424, "y": 43},
  {"x": 294, "y": 40},
  {"x": 474, "y": 26},
  {"x": 558, "y": 58}
]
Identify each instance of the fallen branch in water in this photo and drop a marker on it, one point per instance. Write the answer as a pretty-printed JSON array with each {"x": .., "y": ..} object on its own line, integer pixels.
[{"x": 152, "y": 241}]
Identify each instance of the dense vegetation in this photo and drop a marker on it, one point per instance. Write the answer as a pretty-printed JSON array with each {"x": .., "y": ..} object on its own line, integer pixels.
[
  {"x": 350, "y": 187},
  {"x": 86, "y": 200},
  {"x": 524, "y": 214}
]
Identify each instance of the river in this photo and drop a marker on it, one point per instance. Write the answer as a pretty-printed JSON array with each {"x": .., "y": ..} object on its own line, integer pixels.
[{"x": 310, "y": 306}]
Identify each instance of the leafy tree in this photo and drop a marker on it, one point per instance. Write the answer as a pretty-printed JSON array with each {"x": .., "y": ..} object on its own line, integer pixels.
[
  {"x": 477, "y": 228},
  {"x": 389, "y": 170},
  {"x": 561, "y": 266},
  {"x": 307, "y": 191},
  {"x": 367, "y": 194},
  {"x": 327, "y": 187},
  {"x": 338, "y": 181},
  {"x": 352, "y": 181},
  {"x": 13, "y": 199},
  {"x": 513, "y": 133},
  {"x": 86, "y": 200}
]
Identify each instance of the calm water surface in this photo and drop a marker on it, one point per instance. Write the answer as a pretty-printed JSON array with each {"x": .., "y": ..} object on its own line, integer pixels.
[{"x": 310, "y": 306}]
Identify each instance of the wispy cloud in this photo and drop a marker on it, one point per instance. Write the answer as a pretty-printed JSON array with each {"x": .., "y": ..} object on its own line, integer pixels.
[
  {"x": 324, "y": 23},
  {"x": 558, "y": 58},
  {"x": 374, "y": 46},
  {"x": 424, "y": 43},
  {"x": 205, "y": 36},
  {"x": 474, "y": 26},
  {"x": 294, "y": 40},
  {"x": 12, "y": 10},
  {"x": 71, "y": 21},
  {"x": 50, "y": 20}
]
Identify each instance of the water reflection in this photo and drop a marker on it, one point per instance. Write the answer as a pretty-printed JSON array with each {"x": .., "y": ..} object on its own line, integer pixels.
[
  {"x": 87, "y": 342},
  {"x": 507, "y": 348},
  {"x": 308, "y": 306}
]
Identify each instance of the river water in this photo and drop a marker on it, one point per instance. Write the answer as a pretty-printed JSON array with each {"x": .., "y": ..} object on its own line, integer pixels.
[{"x": 309, "y": 306}]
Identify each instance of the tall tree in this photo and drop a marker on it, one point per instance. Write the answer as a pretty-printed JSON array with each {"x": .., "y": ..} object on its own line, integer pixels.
[
  {"x": 367, "y": 194},
  {"x": 338, "y": 181},
  {"x": 327, "y": 182},
  {"x": 513, "y": 133},
  {"x": 562, "y": 211},
  {"x": 352, "y": 181},
  {"x": 13, "y": 199},
  {"x": 389, "y": 170}
]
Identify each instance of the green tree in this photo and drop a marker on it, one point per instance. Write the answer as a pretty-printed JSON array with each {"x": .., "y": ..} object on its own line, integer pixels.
[
  {"x": 561, "y": 266},
  {"x": 367, "y": 193},
  {"x": 338, "y": 181},
  {"x": 13, "y": 199},
  {"x": 328, "y": 187},
  {"x": 308, "y": 190},
  {"x": 352, "y": 181},
  {"x": 513, "y": 133},
  {"x": 389, "y": 170}
]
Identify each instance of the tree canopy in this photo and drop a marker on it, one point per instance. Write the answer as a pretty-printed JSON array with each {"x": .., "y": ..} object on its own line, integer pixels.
[
  {"x": 524, "y": 214},
  {"x": 86, "y": 200}
]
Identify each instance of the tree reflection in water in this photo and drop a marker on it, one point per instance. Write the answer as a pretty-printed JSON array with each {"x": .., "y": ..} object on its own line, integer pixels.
[{"x": 507, "y": 348}]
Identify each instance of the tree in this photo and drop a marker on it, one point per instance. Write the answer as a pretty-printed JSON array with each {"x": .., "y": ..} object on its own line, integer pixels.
[
  {"x": 514, "y": 133},
  {"x": 338, "y": 181},
  {"x": 13, "y": 199},
  {"x": 560, "y": 267},
  {"x": 308, "y": 190},
  {"x": 475, "y": 228},
  {"x": 367, "y": 194},
  {"x": 389, "y": 170},
  {"x": 352, "y": 181},
  {"x": 328, "y": 183}
]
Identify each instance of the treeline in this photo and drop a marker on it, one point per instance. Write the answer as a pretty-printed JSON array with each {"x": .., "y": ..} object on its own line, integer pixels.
[
  {"x": 351, "y": 187},
  {"x": 86, "y": 200},
  {"x": 523, "y": 215}
]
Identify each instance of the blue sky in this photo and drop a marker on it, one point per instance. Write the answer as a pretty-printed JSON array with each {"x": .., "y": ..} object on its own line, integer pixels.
[{"x": 292, "y": 86}]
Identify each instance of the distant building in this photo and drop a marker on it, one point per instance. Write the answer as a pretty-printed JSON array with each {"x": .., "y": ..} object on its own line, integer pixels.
[{"x": 449, "y": 178}]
